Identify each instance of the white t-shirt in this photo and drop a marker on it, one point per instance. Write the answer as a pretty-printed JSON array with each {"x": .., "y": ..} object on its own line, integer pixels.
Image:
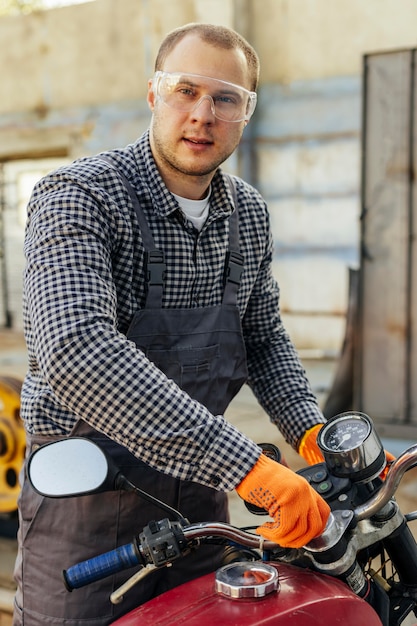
[{"x": 195, "y": 210}]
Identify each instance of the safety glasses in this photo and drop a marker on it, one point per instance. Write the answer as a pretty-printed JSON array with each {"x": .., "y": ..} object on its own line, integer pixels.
[{"x": 185, "y": 92}]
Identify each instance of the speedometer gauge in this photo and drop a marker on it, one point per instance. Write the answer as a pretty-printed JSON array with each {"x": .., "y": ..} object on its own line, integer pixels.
[
  {"x": 346, "y": 433},
  {"x": 351, "y": 447}
]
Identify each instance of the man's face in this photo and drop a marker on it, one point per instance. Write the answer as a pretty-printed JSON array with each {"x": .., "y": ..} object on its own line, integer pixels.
[{"x": 191, "y": 144}]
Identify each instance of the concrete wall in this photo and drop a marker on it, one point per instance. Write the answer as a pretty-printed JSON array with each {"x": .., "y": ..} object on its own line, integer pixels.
[
  {"x": 316, "y": 39},
  {"x": 74, "y": 79}
]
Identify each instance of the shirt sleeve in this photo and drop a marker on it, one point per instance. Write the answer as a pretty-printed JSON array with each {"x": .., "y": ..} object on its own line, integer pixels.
[{"x": 81, "y": 366}]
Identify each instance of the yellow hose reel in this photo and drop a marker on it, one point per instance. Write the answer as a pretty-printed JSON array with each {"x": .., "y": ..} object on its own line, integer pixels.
[{"x": 12, "y": 443}]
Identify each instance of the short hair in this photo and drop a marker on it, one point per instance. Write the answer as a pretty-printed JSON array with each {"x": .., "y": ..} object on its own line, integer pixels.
[{"x": 216, "y": 35}]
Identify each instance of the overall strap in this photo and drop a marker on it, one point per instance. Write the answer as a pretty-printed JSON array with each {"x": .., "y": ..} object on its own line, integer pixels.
[
  {"x": 155, "y": 260},
  {"x": 233, "y": 267}
]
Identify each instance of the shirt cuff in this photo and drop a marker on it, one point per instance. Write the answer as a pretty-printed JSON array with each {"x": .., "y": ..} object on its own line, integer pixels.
[{"x": 229, "y": 458}]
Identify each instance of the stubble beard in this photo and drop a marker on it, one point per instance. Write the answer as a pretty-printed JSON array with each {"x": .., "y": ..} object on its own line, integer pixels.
[{"x": 169, "y": 158}]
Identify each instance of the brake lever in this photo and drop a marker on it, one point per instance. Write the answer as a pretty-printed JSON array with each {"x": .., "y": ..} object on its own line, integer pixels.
[
  {"x": 118, "y": 595},
  {"x": 160, "y": 543}
]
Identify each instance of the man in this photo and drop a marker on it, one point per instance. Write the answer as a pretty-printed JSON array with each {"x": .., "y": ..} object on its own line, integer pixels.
[{"x": 146, "y": 311}]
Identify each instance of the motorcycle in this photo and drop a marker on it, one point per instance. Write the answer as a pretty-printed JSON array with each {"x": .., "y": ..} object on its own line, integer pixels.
[{"x": 362, "y": 570}]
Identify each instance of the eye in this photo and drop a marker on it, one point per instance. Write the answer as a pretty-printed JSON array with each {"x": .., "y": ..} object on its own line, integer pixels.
[
  {"x": 224, "y": 99},
  {"x": 185, "y": 90},
  {"x": 227, "y": 98}
]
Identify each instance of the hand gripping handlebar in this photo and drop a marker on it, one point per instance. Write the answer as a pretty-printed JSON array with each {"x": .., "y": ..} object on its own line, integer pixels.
[{"x": 164, "y": 541}]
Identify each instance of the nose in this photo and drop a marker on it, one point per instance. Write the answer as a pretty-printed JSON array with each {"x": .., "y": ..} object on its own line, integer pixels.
[{"x": 203, "y": 111}]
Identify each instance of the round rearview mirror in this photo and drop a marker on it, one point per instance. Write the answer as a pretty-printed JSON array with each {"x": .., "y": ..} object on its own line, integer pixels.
[{"x": 69, "y": 467}]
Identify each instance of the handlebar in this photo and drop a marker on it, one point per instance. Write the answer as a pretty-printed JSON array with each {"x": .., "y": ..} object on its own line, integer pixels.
[
  {"x": 129, "y": 555},
  {"x": 226, "y": 531},
  {"x": 138, "y": 553},
  {"x": 397, "y": 470}
]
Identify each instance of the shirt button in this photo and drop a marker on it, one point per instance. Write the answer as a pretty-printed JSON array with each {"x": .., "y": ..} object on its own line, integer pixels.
[{"x": 215, "y": 481}]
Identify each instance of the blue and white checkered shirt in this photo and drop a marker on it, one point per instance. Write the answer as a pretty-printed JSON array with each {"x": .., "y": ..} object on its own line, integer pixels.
[{"x": 83, "y": 282}]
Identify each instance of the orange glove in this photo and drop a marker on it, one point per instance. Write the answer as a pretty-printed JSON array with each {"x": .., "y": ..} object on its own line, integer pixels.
[
  {"x": 299, "y": 513},
  {"x": 390, "y": 459},
  {"x": 308, "y": 447}
]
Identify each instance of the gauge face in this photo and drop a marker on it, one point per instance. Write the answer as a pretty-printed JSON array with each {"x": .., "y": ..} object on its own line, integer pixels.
[
  {"x": 351, "y": 447},
  {"x": 345, "y": 434}
]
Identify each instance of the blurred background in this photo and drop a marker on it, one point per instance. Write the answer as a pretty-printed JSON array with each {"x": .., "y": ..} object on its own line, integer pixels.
[{"x": 331, "y": 147}]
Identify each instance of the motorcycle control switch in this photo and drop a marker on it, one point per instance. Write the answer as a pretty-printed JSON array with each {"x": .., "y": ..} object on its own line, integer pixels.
[{"x": 162, "y": 542}]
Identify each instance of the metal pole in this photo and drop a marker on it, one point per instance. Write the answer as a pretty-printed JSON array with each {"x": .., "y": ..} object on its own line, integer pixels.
[{"x": 242, "y": 22}]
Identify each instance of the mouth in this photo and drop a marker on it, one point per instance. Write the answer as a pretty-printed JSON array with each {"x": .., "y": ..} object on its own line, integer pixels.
[{"x": 198, "y": 141}]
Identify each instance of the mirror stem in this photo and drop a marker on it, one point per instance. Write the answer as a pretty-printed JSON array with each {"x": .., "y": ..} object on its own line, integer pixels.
[{"x": 121, "y": 482}]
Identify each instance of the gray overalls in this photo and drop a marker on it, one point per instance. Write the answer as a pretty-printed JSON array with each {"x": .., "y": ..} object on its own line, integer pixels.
[{"x": 202, "y": 350}]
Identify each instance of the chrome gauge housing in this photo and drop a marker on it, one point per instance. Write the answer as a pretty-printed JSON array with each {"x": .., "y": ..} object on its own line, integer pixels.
[{"x": 351, "y": 447}]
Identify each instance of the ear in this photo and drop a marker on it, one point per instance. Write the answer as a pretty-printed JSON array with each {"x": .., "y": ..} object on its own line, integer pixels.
[{"x": 151, "y": 95}]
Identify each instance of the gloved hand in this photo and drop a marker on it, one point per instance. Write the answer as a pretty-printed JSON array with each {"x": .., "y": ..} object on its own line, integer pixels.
[
  {"x": 308, "y": 448},
  {"x": 299, "y": 513}
]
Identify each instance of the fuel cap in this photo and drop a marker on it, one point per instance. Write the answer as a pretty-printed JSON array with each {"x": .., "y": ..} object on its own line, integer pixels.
[{"x": 246, "y": 580}]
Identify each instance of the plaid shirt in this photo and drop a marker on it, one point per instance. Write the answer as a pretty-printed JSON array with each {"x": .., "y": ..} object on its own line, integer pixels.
[{"x": 84, "y": 280}]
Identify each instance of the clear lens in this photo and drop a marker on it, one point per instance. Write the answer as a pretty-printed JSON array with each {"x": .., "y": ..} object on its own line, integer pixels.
[{"x": 184, "y": 92}]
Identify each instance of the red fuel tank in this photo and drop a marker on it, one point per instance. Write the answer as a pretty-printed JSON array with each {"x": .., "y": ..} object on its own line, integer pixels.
[{"x": 303, "y": 598}]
